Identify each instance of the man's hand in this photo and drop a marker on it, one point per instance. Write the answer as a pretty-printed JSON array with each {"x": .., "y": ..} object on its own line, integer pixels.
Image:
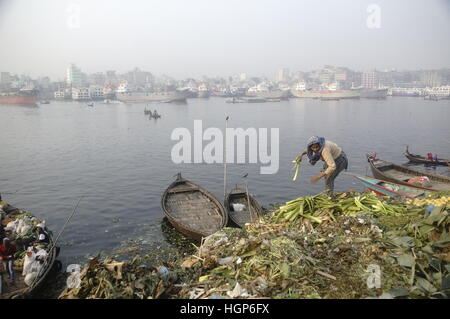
[{"x": 300, "y": 156}]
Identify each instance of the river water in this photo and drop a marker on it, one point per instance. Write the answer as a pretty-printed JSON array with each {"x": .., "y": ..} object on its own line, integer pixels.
[{"x": 120, "y": 161}]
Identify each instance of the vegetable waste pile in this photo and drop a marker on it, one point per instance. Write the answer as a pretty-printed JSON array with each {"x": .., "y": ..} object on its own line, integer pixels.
[{"x": 355, "y": 245}]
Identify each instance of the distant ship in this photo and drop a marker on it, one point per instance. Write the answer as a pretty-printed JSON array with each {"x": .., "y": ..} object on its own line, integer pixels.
[
  {"x": 407, "y": 92},
  {"x": 203, "y": 91},
  {"x": 22, "y": 97},
  {"x": 439, "y": 92},
  {"x": 264, "y": 91},
  {"x": 329, "y": 93},
  {"x": 371, "y": 93},
  {"x": 125, "y": 95}
]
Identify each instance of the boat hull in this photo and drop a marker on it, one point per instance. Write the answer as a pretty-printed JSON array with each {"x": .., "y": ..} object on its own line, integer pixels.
[
  {"x": 21, "y": 97},
  {"x": 247, "y": 216},
  {"x": 326, "y": 94},
  {"x": 203, "y": 94},
  {"x": 151, "y": 97},
  {"x": 192, "y": 210},
  {"x": 31, "y": 291},
  {"x": 276, "y": 94},
  {"x": 385, "y": 188},
  {"x": 372, "y": 93},
  {"x": 398, "y": 174}
]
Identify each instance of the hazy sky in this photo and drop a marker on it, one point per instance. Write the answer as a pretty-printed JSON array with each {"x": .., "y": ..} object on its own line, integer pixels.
[{"x": 191, "y": 38}]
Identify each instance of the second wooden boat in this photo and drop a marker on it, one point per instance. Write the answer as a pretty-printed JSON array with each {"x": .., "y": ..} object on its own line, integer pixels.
[
  {"x": 385, "y": 188},
  {"x": 192, "y": 210},
  {"x": 250, "y": 209},
  {"x": 20, "y": 290},
  {"x": 401, "y": 175},
  {"x": 414, "y": 158}
]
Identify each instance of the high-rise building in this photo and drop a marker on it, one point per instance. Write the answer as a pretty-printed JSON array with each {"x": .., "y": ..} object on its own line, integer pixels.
[
  {"x": 370, "y": 80},
  {"x": 74, "y": 76},
  {"x": 5, "y": 78},
  {"x": 431, "y": 79},
  {"x": 283, "y": 75}
]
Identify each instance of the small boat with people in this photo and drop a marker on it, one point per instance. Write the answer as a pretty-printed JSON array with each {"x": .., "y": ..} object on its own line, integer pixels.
[
  {"x": 385, "y": 188},
  {"x": 242, "y": 207},
  {"x": 151, "y": 114},
  {"x": 430, "y": 159},
  {"x": 28, "y": 252},
  {"x": 399, "y": 174},
  {"x": 193, "y": 210}
]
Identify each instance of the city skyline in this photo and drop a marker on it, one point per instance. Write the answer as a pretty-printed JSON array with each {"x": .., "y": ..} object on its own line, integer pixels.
[
  {"x": 204, "y": 38},
  {"x": 273, "y": 77}
]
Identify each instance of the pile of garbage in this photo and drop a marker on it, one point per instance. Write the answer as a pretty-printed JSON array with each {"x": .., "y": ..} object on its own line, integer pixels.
[
  {"x": 111, "y": 279},
  {"x": 354, "y": 245},
  {"x": 319, "y": 247}
]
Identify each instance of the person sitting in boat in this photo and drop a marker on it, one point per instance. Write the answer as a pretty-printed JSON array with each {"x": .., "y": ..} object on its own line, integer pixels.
[
  {"x": 43, "y": 237},
  {"x": 7, "y": 251},
  {"x": 435, "y": 158},
  {"x": 430, "y": 156},
  {"x": 330, "y": 153}
]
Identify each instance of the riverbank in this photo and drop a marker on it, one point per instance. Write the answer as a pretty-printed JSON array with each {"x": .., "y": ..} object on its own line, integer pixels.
[{"x": 390, "y": 249}]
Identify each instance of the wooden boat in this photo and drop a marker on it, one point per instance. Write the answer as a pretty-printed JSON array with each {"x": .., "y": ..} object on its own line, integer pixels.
[
  {"x": 398, "y": 174},
  {"x": 384, "y": 188},
  {"x": 414, "y": 158},
  {"x": 192, "y": 210},
  {"x": 240, "y": 218},
  {"x": 20, "y": 290}
]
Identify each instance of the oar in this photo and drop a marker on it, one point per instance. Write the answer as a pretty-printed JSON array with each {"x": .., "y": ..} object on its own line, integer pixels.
[
  {"x": 57, "y": 237},
  {"x": 67, "y": 222},
  {"x": 225, "y": 161}
]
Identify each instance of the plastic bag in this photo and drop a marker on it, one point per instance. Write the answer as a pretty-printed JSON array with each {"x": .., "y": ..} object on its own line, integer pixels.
[
  {"x": 238, "y": 207},
  {"x": 422, "y": 181}
]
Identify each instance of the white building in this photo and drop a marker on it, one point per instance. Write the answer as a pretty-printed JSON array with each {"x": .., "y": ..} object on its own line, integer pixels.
[
  {"x": 96, "y": 92},
  {"x": 80, "y": 94},
  {"x": 60, "y": 94}
]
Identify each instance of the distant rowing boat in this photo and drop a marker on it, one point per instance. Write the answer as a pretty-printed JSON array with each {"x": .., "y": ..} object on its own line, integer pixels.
[
  {"x": 192, "y": 210},
  {"x": 413, "y": 158},
  {"x": 401, "y": 175}
]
